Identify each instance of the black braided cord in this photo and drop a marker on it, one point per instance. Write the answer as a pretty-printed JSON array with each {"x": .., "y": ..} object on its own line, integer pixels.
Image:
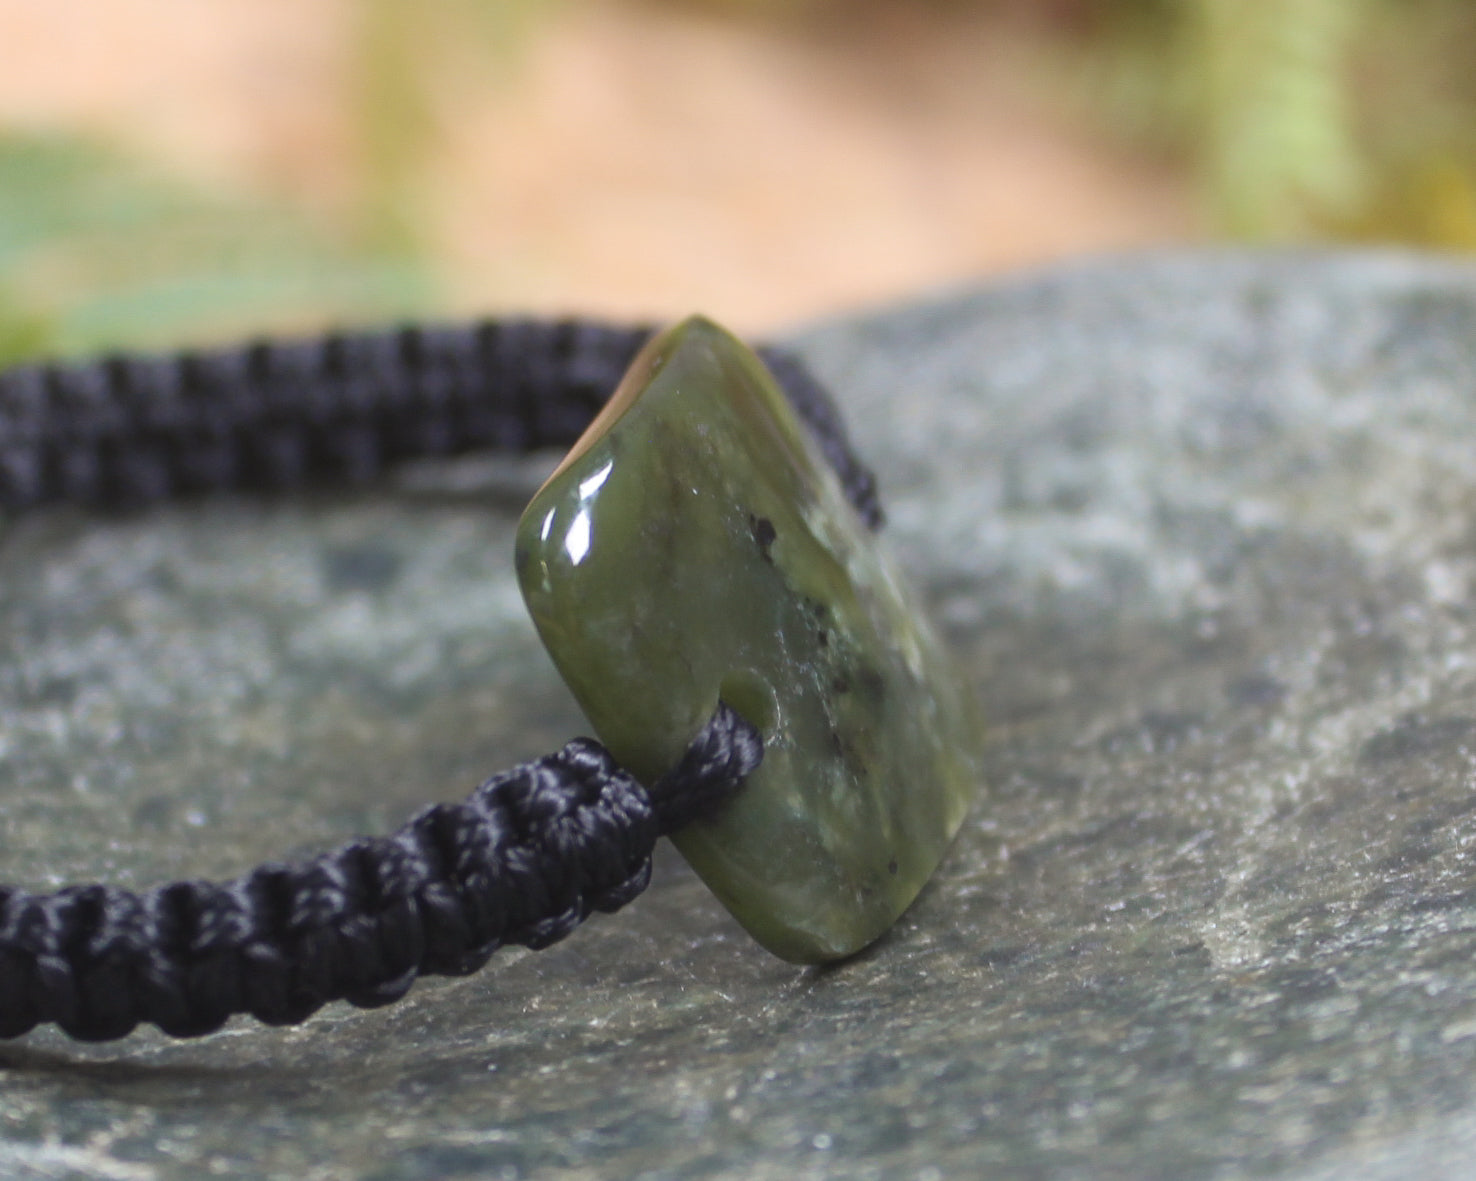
[
  {"x": 525, "y": 859},
  {"x": 133, "y": 429}
]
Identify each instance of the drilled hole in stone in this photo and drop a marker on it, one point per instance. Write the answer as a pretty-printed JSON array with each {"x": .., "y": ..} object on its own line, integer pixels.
[{"x": 751, "y": 696}]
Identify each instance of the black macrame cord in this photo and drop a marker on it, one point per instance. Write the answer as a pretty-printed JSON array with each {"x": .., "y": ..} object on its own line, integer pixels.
[{"x": 526, "y": 858}]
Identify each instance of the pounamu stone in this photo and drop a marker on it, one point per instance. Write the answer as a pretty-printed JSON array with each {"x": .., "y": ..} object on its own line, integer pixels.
[{"x": 694, "y": 546}]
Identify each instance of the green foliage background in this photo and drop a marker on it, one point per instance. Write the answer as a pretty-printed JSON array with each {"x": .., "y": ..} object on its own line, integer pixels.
[
  {"x": 97, "y": 251},
  {"x": 1302, "y": 119}
]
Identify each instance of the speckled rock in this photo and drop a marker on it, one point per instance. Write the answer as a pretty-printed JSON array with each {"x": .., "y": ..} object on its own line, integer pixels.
[{"x": 1203, "y": 528}]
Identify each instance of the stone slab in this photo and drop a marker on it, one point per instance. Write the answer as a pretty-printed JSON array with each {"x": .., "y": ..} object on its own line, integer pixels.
[{"x": 1203, "y": 527}]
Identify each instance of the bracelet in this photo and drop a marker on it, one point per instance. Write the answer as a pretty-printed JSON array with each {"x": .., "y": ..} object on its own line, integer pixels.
[{"x": 701, "y": 570}]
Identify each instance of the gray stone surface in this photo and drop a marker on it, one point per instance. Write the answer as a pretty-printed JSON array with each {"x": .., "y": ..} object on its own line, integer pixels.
[{"x": 1204, "y": 529}]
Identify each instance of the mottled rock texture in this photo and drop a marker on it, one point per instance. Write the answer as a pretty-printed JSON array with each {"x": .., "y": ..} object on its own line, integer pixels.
[{"x": 1203, "y": 529}]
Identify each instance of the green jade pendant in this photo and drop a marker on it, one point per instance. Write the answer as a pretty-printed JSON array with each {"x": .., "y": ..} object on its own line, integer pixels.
[{"x": 695, "y": 545}]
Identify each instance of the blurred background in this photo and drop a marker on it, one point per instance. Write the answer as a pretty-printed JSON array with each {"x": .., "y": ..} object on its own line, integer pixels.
[{"x": 173, "y": 171}]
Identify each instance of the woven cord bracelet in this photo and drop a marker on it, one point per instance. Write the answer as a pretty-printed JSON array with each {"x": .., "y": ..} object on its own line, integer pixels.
[{"x": 534, "y": 850}]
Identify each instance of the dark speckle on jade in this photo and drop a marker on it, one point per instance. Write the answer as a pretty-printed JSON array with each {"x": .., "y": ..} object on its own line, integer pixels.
[{"x": 694, "y": 546}]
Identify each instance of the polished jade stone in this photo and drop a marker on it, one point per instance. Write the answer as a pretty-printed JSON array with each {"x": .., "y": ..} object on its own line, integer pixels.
[{"x": 695, "y": 545}]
